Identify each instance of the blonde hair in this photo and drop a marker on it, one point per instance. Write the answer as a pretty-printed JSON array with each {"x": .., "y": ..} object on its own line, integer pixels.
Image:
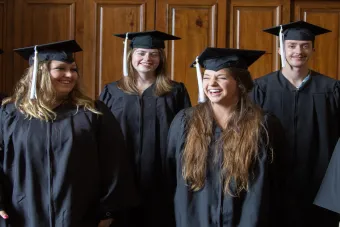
[
  {"x": 239, "y": 142},
  {"x": 162, "y": 84},
  {"x": 40, "y": 107}
]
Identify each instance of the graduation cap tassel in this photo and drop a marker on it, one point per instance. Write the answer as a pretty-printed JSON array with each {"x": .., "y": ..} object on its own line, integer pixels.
[
  {"x": 33, "y": 94},
  {"x": 282, "y": 48},
  {"x": 125, "y": 66},
  {"x": 201, "y": 97}
]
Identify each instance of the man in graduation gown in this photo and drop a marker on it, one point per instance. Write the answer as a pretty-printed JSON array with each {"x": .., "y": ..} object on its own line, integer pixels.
[{"x": 307, "y": 104}]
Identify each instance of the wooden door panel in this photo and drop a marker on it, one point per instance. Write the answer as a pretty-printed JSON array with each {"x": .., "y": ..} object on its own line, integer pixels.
[
  {"x": 104, "y": 52},
  {"x": 247, "y": 20},
  {"x": 200, "y": 24}
]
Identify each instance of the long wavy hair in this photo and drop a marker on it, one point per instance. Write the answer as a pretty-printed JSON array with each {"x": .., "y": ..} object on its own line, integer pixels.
[
  {"x": 162, "y": 84},
  {"x": 238, "y": 144},
  {"x": 41, "y": 107}
]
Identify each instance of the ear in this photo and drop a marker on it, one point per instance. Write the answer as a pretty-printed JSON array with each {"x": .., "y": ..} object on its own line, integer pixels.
[
  {"x": 313, "y": 49},
  {"x": 278, "y": 51}
]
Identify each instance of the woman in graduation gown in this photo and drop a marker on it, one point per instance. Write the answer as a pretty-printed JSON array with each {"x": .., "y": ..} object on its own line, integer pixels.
[
  {"x": 62, "y": 157},
  {"x": 145, "y": 101},
  {"x": 220, "y": 163}
]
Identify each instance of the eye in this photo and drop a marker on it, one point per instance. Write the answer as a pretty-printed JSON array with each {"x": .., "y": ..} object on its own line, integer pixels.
[
  {"x": 154, "y": 54},
  {"x": 74, "y": 70},
  {"x": 59, "y": 68}
]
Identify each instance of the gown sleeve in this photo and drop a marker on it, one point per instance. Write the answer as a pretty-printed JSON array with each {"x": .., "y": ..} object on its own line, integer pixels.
[
  {"x": 329, "y": 193},
  {"x": 106, "y": 96},
  {"x": 257, "y": 94},
  {"x": 183, "y": 98},
  {"x": 118, "y": 191}
]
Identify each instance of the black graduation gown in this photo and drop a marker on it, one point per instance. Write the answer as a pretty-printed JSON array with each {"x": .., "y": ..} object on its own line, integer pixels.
[
  {"x": 329, "y": 194},
  {"x": 145, "y": 121},
  {"x": 210, "y": 207},
  {"x": 63, "y": 173},
  {"x": 311, "y": 119}
]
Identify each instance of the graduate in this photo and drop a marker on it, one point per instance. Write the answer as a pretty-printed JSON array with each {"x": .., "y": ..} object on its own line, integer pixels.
[
  {"x": 145, "y": 101},
  {"x": 329, "y": 194},
  {"x": 62, "y": 155},
  {"x": 220, "y": 163},
  {"x": 307, "y": 104}
]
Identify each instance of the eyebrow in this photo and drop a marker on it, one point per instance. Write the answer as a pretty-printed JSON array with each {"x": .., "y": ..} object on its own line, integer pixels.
[
  {"x": 298, "y": 43},
  {"x": 152, "y": 52}
]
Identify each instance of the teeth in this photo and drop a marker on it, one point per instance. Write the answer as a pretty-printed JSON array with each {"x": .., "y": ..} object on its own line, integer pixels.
[
  {"x": 65, "y": 81},
  {"x": 214, "y": 90}
]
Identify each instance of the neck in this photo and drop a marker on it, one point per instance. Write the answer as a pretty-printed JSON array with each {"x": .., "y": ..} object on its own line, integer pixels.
[
  {"x": 144, "y": 80},
  {"x": 222, "y": 113},
  {"x": 295, "y": 75}
]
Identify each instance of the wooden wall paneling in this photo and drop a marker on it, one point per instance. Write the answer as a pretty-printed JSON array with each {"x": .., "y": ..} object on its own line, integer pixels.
[
  {"x": 103, "y": 57},
  {"x": 326, "y": 58},
  {"x": 44, "y": 21},
  {"x": 200, "y": 24},
  {"x": 247, "y": 20},
  {"x": 2, "y": 44}
]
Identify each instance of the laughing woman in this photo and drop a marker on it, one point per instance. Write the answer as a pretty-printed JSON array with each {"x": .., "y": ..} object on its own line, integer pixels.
[{"x": 220, "y": 163}]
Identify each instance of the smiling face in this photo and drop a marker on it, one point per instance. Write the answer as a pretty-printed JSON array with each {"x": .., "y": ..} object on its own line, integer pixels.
[
  {"x": 220, "y": 87},
  {"x": 64, "y": 77},
  {"x": 145, "y": 60},
  {"x": 298, "y": 52}
]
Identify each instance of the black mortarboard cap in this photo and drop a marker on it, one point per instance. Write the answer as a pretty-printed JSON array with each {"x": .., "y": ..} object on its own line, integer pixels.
[
  {"x": 219, "y": 58},
  {"x": 148, "y": 39},
  {"x": 60, "y": 51},
  {"x": 299, "y": 30}
]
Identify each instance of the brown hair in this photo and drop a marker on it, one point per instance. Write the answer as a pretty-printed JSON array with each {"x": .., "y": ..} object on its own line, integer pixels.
[
  {"x": 46, "y": 95},
  {"x": 239, "y": 142},
  {"x": 162, "y": 84}
]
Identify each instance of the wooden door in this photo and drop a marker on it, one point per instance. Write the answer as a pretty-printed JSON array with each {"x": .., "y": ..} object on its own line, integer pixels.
[
  {"x": 200, "y": 24},
  {"x": 103, "y": 55},
  {"x": 247, "y": 19},
  {"x": 326, "y": 58},
  {"x": 6, "y": 65}
]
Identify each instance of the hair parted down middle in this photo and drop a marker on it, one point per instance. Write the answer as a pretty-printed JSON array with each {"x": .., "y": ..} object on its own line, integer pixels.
[{"x": 162, "y": 84}]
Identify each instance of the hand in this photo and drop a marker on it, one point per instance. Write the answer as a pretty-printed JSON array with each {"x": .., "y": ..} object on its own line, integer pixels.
[
  {"x": 3, "y": 214},
  {"x": 104, "y": 223}
]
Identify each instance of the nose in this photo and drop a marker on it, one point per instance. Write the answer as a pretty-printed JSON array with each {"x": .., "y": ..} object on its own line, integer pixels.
[
  {"x": 68, "y": 73},
  {"x": 212, "y": 81},
  {"x": 298, "y": 49},
  {"x": 147, "y": 56}
]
